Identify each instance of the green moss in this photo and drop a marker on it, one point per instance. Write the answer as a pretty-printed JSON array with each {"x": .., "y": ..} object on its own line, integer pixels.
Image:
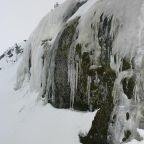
[{"x": 128, "y": 86}]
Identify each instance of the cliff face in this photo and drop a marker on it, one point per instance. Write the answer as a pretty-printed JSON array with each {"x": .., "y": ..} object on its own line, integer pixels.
[{"x": 88, "y": 55}]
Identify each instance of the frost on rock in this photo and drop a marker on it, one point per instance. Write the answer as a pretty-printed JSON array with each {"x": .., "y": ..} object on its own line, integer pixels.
[{"x": 88, "y": 55}]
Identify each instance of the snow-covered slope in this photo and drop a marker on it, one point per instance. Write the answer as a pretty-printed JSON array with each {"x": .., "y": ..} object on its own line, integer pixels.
[
  {"x": 88, "y": 55},
  {"x": 24, "y": 120}
]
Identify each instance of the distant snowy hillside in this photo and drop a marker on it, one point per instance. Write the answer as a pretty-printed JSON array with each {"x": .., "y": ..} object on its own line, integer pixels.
[
  {"x": 84, "y": 56},
  {"x": 12, "y": 55}
]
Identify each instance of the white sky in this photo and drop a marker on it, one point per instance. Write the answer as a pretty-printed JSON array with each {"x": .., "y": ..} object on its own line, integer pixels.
[{"x": 18, "y": 18}]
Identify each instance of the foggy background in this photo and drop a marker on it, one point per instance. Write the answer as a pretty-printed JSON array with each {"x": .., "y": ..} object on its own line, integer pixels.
[{"x": 18, "y": 18}]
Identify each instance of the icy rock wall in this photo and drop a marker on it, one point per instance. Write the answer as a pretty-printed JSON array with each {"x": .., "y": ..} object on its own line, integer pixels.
[
  {"x": 91, "y": 61},
  {"x": 47, "y": 30},
  {"x": 117, "y": 121}
]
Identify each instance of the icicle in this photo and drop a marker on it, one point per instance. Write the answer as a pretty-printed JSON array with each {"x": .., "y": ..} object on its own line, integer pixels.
[
  {"x": 77, "y": 70},
  {"x": 72, "y": 75}
]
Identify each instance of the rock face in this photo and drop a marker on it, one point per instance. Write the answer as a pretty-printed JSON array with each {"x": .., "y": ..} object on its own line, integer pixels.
[
  {"x": 62, "y": 87},
  {"x": 88, "y": 55},
  {"x": 102, "y": 97}
]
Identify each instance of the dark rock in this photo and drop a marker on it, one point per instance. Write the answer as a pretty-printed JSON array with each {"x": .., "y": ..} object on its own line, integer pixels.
[
  {"x": 127, "y": 116},
  {"x": 78, "y": 50},
  {"x": 2, "y": 56},
  {"x": 102, "y": 97},
  {"x": 125, "y": 64},
  {"x": 18, "y": 49},
  {"x": 128, "y": 87},
  {"x": 62, "y": 88},
  {"x": 127, "y": 135},
  {"x": 81, "y": 101}
]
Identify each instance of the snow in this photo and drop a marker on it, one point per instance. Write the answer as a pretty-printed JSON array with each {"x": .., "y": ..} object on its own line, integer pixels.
[
  {"x": 125, "y": 14},
  {"x": 83, "y": 9},
  {"x": 127, "y": 20},
  {"x": 24, "y": 120},
  {"x": 141, "y": 133}
]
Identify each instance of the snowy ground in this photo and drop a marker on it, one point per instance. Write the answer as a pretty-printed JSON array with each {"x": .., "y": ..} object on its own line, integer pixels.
[{"x": 24, "y": 120}]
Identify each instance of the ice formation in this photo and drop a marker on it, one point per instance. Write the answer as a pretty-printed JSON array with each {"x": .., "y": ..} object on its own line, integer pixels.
[{"x": 87, "y": 55}]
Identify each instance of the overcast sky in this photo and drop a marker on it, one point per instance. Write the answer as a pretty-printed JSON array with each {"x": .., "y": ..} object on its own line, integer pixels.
[{"x": 18, "y": 18}]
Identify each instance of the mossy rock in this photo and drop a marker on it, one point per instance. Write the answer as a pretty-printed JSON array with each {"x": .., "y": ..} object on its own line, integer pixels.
[
  {"x": 101, "y": 92},
  {"x": 62, "y": 87},
  {"x": 81, "y": 93},
  {"x": 99, "y": 130},
  {"x": 78, "y": 50},
  {"x": 126, "y": 64},
  {"x": 85, "y": 61},
  {"x": 91, "y": 72},
  {"x": 100, "y": 124},
  {"x": 81, "y": 105},
  {"x": 128, "y": 85}
]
